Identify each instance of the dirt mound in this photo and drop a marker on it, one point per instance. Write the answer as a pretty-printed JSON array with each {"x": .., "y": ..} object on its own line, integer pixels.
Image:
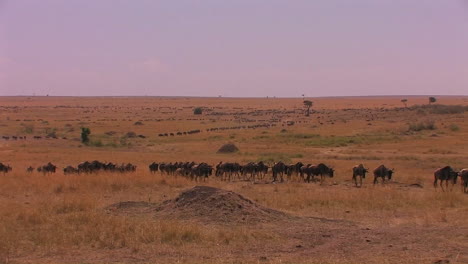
[
  {"x": 204, "y": 204},
  {"x": 228, "y": 148},
  {"x": 210, "y": 204}
]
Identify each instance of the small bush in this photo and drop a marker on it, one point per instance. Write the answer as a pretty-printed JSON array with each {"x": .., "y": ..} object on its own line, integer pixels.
[
  {"x": 130, "y": 135},
  {"x": 85, "y": 131},
  {"x": 454, "y": 128},
  {"x": 95, "y": 143},
  {"x": 420, "y": 126},
  {"x": 198, "y": 111},
  {"x": 440, "y": 109},
  {"x": 28, "y": 129}
]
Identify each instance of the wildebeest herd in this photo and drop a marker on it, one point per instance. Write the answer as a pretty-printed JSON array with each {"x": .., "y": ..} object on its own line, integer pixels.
[{"x": 252, "y": 171}]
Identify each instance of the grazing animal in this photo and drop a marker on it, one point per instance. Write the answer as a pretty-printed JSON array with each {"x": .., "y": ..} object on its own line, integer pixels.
[
  {"x": 153, "y": 167},
  {"x": 70, "y": 170},
  {"x": 262, "y": 169},
  {"x": 5, "y": 168},
  {"x": 48, "y": 168},
  {"x": 322, "y": 170},
  {"x": 201, "y": 171},
  {"x": 30, "y": 169},
  {"x": 445, "y": 174},
  {"x": 278, "y": 169},
  {"x": 382, "y": 172},
  {"x": 359, "y": 171},
  {"x": 464, "y": 179},
  {"x": 250, "y": 168},
  {"x": 226, "y": 170}
]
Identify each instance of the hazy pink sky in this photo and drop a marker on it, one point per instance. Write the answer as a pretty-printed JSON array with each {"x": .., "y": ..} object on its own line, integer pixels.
[{"x": 233, "y": 48}]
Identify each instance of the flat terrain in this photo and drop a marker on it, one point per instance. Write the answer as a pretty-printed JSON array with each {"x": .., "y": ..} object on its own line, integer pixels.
[{"x": 142, "y": 217}]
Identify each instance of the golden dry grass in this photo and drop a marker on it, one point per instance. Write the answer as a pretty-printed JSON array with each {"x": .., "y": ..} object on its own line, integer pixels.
[{"x": 61, "y": 218}]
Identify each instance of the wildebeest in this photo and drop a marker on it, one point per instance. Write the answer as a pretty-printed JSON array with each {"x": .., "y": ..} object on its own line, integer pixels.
[
  {"x": 30, "y": 169},
  {"x": 226, "y": 170},
  {"x": 464, "y": 180},
  {"x": 70, "y": 170},
  {"x": 322, "y": 170},
  {"x": 153, "y": 167},
  {"x": 294, "y": 169},
  {"x": 445, "y": 174},
  {"x": 262, "y": 169},
  {"x": 201, "y": 171},
  {"x": 250, "y": 168},
  {"x": 382, "y": 172},
  {"x": 5, "y": 168},
  {"x": 359, "y": 171},
  {"x": 48, "y": 168},
  {"x": 278, "y": 169}
]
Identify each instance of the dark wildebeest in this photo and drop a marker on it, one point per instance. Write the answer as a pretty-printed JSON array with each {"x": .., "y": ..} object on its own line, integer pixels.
[
  {"x": 293, "y": 169},
  {"x": 382, "y": 172},
  {"x": 305, "y": 172},
  {"x": 464, "y": 180},
  {"x": 201, "y": 171},
  {"x": 250, "y": 168},
  {"x": 30, "y": 169},
  {"x": 48, "y": 168},
  {"x": 360, "y": 171},
  {"x": 153, "y": 167},
  {"x": 226, "y": 170},
  {"x": 322, "y": 170},
  {"x": 278, "y": 169},
  {"x": 69, "y": 170},
  {"x": 4, "y": 168},
  {"x": 262, "y": 169},
  {"x": 445, "y": 174}
]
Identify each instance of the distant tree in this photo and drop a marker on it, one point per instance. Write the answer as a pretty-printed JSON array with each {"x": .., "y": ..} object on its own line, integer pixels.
[
  {"x": 85, "y": 131},
  {"x": 308, "y": 104},
  {"x": 197, "y": 111},
  {"x": 404, "y": 101},
  {"x": 432, "y": 100}
]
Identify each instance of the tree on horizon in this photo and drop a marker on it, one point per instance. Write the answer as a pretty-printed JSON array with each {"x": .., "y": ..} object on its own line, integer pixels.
[
  {"x": 308, "y": 104},
  {"x": 404, "y": 101}
]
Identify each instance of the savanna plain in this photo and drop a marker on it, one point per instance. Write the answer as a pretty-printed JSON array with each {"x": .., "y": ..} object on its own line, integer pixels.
[{"x": 141, "y": 217}]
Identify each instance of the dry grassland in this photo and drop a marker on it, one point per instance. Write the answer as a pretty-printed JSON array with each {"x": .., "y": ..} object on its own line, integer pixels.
[{"x": 58, "y": 218}]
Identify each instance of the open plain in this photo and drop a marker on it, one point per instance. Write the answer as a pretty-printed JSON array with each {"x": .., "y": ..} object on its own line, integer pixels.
[{"x": 143, "y": 217}]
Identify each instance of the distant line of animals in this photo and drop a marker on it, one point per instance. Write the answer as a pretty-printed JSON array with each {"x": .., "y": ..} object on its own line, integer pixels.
[
  {"x": 34, "y": 137},
  {"x": 196, "y": 131},
  {"x": 227, "y": 171}
]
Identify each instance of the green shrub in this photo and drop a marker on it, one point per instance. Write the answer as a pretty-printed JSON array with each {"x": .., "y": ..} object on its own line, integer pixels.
[
  {"x": 198, "y": 111},
  {"x": 454, "y": 127},
  {"x": 420, "y": 126},
  {"x": 96, "y": 143},
  {"x": 28, "y": 129},
  {"x": 85, "y": 131},
  {"x": 440, "y": 109}
]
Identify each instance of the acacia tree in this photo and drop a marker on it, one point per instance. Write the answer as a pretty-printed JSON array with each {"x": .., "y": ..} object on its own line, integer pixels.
[
  {"x": 432, "y": 100},
  {"x": 308, "y": 104},
  {"x": 404, "y": 101}
]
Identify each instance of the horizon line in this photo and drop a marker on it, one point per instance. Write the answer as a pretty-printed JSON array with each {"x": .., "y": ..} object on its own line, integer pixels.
[{"x": 238, "y": 97}]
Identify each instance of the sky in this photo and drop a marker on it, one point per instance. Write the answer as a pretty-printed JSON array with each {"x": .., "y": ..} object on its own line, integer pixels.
[{"x": 237, "y": 48}]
